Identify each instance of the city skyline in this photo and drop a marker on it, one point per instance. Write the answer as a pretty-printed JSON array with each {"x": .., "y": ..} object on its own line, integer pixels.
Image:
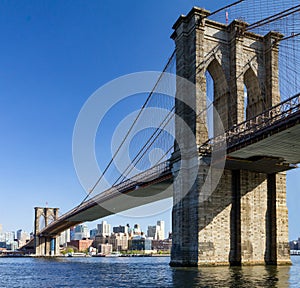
[{"x": 13, "y": 240}]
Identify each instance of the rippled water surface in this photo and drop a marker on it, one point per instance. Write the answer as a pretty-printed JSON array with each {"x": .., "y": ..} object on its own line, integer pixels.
[{"x": 138, "y": 272}]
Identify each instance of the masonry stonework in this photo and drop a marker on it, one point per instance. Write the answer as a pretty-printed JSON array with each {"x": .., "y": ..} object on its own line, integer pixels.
[
  {"x": 243, "y": 220},
  {"x": 42, "y": 243}
]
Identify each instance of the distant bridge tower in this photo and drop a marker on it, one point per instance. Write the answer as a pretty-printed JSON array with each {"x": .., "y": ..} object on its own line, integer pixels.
[
  {"x": 245, "y": 219},
  {"x": 45, "y": 245}
]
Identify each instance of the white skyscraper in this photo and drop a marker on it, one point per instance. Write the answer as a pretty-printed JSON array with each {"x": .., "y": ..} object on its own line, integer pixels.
[
  {"x": 104, "y": 228},
  {"x": 161, "y": 230},
  {"x": 64, "y": 238},
  {"x": 157, "y": 232}
]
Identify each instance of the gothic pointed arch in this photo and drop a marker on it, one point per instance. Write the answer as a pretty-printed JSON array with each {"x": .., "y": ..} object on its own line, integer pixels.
[
  {"x": 220, "y": 92},
  {"x": 254, "y": 99}
]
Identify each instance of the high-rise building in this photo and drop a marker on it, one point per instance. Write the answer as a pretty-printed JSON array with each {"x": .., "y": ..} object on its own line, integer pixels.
[
  {"x": 9, "y": 237},
  {"x": 81, "y": 232},
  {"x": 72, "y": 233},
  {"x": 137, "y": 229},
  {"x": 2, "y": 237},
  {"x": 157, "y": 232},
  {"x": 0, "y": 228},
  {"x": 22, "y": 237},
  {"x": 65, "y": 237},
  {"x": 161, "y": 229},
  {"x": 151, "y": 232},
  {"x": 103, "y": 228},
  {"x": 93, "y": 233},
  {"x": 120, "y": 229}
]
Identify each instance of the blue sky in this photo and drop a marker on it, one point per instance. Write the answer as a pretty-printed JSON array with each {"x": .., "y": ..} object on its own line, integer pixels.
[{"x": 54, "y": 55}]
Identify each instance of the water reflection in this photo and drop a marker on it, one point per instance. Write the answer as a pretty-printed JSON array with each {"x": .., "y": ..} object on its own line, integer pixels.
[{"x": 232, "y": 277}]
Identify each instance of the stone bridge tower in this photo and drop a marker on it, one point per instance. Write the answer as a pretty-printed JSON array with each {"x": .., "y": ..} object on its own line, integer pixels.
[
  {"x": 245, "y": 219},
  {"x": 45, "y": 245}
]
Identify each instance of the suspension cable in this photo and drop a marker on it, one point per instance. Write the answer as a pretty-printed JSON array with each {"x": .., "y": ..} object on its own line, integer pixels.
[{"x": 129, "y": 131}]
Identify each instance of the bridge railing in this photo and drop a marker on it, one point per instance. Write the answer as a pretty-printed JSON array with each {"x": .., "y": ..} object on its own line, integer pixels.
[
  {"x": 147, "y": 175},
  {"x": 245, "y": 130}
]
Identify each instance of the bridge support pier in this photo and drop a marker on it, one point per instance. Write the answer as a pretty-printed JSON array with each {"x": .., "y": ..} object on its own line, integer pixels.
[
  {"x": 45, "y": 245},
  {"x": 243, "y": 220},
  {"x": 277, "y": 247}
]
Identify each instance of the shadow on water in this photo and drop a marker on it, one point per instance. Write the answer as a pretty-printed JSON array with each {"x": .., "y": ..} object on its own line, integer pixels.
[{"x": 232, "y": 277}]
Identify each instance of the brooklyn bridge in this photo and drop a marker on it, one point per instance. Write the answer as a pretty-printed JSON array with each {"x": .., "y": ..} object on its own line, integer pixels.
[{"x": 230, "y": 134}]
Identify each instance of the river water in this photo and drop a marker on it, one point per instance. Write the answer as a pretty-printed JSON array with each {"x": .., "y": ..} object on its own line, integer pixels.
[{"x": 138, "y": 272}]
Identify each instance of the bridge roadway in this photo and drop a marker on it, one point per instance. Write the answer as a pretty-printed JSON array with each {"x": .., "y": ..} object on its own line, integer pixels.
[
  {"x": 152, "y": 185},
  {"x": 267, "y": 143}
]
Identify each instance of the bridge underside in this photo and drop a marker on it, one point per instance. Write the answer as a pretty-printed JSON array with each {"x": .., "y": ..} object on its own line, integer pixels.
[
  {"x": 140, "y": 196},
  {"x": 263, "y": 152},
  {"x": 103, "y": 205}
]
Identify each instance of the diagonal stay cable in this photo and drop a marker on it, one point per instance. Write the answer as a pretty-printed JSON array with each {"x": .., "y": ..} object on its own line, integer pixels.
[
  {"x": 160, "y": 129},
  {"x": 129, "y": 131},
  {"x": 273, "y": 18}
]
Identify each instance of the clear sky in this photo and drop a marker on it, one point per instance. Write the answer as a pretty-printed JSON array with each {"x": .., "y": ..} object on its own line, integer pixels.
[{"x": 54, "y": 55}]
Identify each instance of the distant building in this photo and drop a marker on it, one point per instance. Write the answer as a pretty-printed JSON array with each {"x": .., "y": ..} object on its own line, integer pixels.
[
  {"x": 162, "y": 245},
  {"x": 120, "y": 229},
  {"x": 93, "y": 233},
  {"x": 2, "y": 237},
  {"x": 0, "y": 228},
  {"x": 9, "y": 237},
  {"x": 105, "y": 249},
  {"x": 81, "y": 232},
  {"x": 151, "y": 232},
  {"x": 103, "y": 228},
  {"x": 136, "y": 229},
  {"x": 64, "y": 238},
  {"x": 140, "y": 243},
  {"x": 295, "y": 244},
  {"x": 72, "y": 233},
  {"x": 119, "y": 241},
  {"x": 22, "y": 237},
  {"x": 157, "y": 232},
  {"x": 100, "y": 239},
  {"x": 12, "y": 246},
  {"x": 161, "y": 230},
  {"x": 81, "y": 245}
]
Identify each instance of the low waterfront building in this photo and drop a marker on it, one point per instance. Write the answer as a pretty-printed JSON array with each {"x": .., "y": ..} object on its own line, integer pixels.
[
  {"x": 105, "y": 249},
  {"x": 162, "y": 245},
  {"x": 81, "y": 245},
  {"x": 12, "y": 246},
  {"x": 294, "y": 245},
  {"x": 140, "y": 243}
]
